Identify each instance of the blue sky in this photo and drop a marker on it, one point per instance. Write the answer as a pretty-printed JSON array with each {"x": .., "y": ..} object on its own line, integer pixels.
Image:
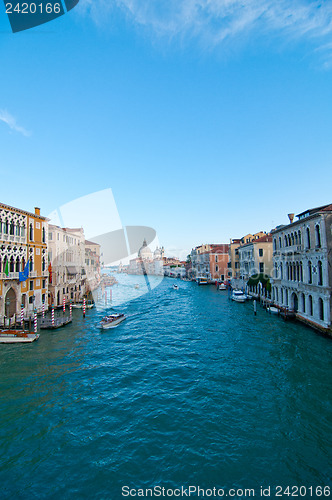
[{"x": 209, "y": 119}]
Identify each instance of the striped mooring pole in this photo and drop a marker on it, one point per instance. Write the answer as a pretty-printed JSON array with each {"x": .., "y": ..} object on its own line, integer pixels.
[
  {"x": 22, "y": 316},
  {"x": 52, "y": 314},
  {"x": 84, "y": 308},
  {"x": 64, "y": 304},
  {"x": 35, "y": 322},
  {"x": 70, "y": 309},
  {"x": 44, "y": 309}
]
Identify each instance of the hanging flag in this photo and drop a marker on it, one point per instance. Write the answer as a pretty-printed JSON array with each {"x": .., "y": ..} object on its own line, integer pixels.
[
  {"x": 25, "y": 274},
  {"x": 50, "y": 273},
  {"x": 6, "y": 268}
]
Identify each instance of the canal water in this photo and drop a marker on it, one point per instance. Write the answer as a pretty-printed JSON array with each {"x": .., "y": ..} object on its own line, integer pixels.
[{"x": 192, "y": 389}]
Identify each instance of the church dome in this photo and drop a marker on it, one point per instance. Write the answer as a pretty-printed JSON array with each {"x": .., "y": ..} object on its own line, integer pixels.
[{"x": 145, "y": 252}]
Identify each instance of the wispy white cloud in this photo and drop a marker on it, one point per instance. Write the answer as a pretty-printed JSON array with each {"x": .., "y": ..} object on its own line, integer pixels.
[
  {"x": 12, "y": 124},
  {"x": 216, "y": 21}
]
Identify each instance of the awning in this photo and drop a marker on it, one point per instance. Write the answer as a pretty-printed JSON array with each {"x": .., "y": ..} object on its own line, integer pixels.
[{"x": 71, "y": 270}]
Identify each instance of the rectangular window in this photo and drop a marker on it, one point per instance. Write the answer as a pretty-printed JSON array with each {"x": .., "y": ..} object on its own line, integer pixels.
[
  {"x": 261, "y": 252},
  {"x": 217, "y": 269},
  {"x": 31, "y": 285},
  {"x": 44, "y": 283},
  {"x": 50, "y": 236},
  {"x": 261, "y": 267}
]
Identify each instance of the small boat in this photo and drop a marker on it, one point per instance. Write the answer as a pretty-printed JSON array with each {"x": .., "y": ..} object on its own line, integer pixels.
[
  {"x": 137, "y": 287},
  {"x": 112, "y": 320},
  {"x": 175, "y": 287},
  {"x": 201, "y": 280},
  {"x": 17, "y": 336},
  {"x": 273, "y": 310},
  {"x": 238, "y": 296},
  {"x": 222, "y": 286},
  {"x": 89, "y": 304}
]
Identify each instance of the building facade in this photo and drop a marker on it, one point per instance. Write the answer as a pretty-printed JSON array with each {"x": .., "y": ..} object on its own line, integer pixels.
[
  {"x": 68, "y": 277},
  {"x": 256, "y": 257},
  {"x": 302, "y": 259},
  {"x": 92, "y": 265},
  {"x": 219, "y": 258},
  {"x": 23, "y": 262}
]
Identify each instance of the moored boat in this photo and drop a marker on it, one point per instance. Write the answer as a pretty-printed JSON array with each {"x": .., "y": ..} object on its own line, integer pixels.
[
  {"x": 89, "y": 304},
  {"x": 17, "y": 336},
  {"x": 201, "y": 280},
  {"x": 273, "y": 310},
  {"x": 112, "y": 320},
  {"x": 238, "y": 296},
  {"x": 222, "y": 286}
]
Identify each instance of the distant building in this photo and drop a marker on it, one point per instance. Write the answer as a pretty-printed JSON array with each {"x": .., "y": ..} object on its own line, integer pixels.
[
  {"x": 23, "y": 262},
  {"x": 302, "y": 260},
  {"x": 147, "y": 262}
]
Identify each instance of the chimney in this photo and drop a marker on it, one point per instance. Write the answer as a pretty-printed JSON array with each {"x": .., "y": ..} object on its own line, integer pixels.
[
  {"x": 291, "y": 218},
  {"x": 37, "y": 211}
]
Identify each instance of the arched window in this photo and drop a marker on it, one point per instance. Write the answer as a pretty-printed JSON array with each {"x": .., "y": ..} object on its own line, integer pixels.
[
  {"x": 31, "y": 232},
  {"x": 17, "y": 265},
  {"x": 303, "y": 302},
  {"x": 295, "y": 237},
  {"x": 308, "y": 237},
  {"x": 43, "y": 236},
  {"x": 274, "y": 244},
  {"x": 286, "y": 241},
  {"x": 288, "y": 274},
  {"x": 280, "y": 242},
  {"x": 309, "y": 272},
  {"x": 289, "y": 241},
  {"x": 18, "y": 230},
  {"x": 31, "y": 264},
  {"x": 321, "y": 309},
  {"x": 320, "y": 273},
  {"x": 23, "y": 231},
  {"x": 23, "y": 264},
  {"x": 11, "y": 230},
  {"x": 310, "y": 305},
  {"x": 281, "y": 273},
  {"x": 6, "y": 227},
  {"x": 0, "y": 226},
  {"x": 11, "y": 264},
  {"x": 282, "y": 295},
  {"x": 317, "y": 234},
  {"x": 292, "y": 238},
  {"x": 300, "y": 238},
  {"x": 301, "y": 271},
  {"x": 43, "y": 264},
  {"x": 276, "y": 294}
]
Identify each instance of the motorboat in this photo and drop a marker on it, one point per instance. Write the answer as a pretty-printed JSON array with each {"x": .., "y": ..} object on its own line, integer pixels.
[
  {"x": 17, "y": 336},
  {"x": 273, "y": 310},
  {"x": 175, "y": 287},
  {"x": 112, "y": 320},
  {"x": 238, "y": 296},
  {"x": 222, "y": 286}
]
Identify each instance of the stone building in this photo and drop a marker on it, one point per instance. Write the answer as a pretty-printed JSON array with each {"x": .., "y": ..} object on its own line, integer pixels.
[
  {"x": 66, "y": 252},
  {"x": 23, "y": 262},
  {"x": 302, "y": 259}
]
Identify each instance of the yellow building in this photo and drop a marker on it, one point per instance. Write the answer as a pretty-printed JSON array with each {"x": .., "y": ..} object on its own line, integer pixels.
[{"x": 23, "y": 262}]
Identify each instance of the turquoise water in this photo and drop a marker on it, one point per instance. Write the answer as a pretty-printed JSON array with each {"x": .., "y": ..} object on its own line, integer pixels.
[{"x": 192, "y": 389}]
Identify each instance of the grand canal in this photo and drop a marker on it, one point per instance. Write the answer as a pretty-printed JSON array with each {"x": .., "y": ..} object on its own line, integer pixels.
[{"x": 192, "y": 389}]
